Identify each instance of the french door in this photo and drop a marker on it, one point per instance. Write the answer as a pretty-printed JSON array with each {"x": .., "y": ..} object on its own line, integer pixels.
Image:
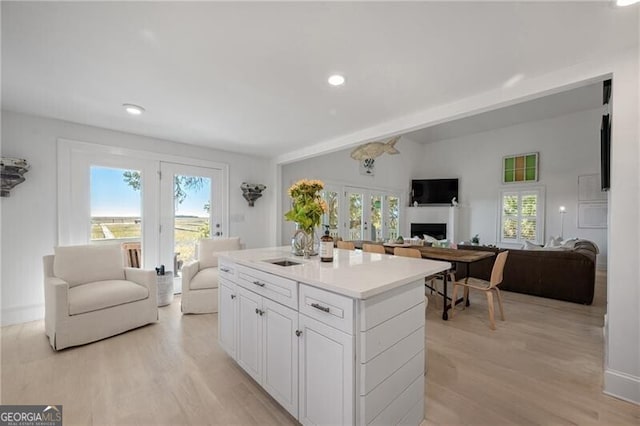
[
  {"x": 156, "y": 206},
  {"x": 191, "y": 205},
  {"x": 370, "y": 214},
  {"x": 109, "y": 198}
]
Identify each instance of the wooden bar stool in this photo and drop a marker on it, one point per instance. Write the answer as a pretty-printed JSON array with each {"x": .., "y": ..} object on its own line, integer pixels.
[
  {"x": 373, "y": 248},
  {"x": 346, "y": 245}
]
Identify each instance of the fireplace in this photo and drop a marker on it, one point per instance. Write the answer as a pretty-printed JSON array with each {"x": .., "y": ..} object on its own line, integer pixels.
[{"x": 436, "y": 230}]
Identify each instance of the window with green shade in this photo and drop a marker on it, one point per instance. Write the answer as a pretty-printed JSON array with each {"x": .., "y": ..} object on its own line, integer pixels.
[{"x": 520, "y": 168}]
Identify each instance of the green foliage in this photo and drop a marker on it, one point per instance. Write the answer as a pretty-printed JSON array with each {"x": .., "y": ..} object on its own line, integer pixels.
[
  {"x": 181, "y": 184},
  {"x": 204, "y": 231},
  {"x": 307, "y": 207},
  {"x": 393, "y": 214},
  {"x": 355, "y": 211},
  {"x": 331, "y": 199},
  {"x": 376, "y": 212},
  {"x": 132, "y": 178}
]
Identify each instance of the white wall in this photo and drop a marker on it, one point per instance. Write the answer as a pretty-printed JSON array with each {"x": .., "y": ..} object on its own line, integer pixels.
[
  {"x": 622, "y": 329},
  {"x": 29, "y": 215},
  {"x": 392, "y": 172},
  {"x": 569, "y": 146},
  {"x": 622, "y": 348},
  {"x": 622, "y": 344}
]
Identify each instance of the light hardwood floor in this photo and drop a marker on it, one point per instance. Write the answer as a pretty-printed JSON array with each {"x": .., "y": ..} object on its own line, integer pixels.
[{"x": 542, "y": 366}]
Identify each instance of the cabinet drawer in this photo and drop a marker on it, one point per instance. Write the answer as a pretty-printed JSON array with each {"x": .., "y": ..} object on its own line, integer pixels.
[
  {"x": 227, "y": 270},
  {"x": 282, "y": 290},
  {"x": 330, "y": 308}
]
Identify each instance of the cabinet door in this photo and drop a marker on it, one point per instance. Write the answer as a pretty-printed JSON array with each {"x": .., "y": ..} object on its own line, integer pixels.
[
  {"x": 249, "y": 350},
  {"x": 281, "y": 354},
  {"x": 326, "y": 374},
  {"x": 227, "y": 317}
]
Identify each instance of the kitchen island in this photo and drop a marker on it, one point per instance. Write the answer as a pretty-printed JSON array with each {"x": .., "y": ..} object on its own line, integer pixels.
[{"x": 333, "y": 343}]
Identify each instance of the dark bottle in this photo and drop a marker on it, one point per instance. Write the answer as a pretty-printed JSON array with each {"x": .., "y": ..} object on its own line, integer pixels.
[{"x": 326, "y": 246}]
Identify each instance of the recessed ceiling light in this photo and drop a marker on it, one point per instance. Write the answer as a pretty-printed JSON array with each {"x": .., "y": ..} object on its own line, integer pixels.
[
  {"x": 336, "y": 80},
  {"x": 626, "y": 2},
  {"x": 133, "y": 109}
]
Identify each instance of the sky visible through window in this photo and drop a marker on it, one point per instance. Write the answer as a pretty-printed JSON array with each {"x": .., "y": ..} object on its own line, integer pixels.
[{"x": 111, "y": 196}]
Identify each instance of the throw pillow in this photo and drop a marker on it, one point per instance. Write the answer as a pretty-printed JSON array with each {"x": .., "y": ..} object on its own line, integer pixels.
[
  {"x": 429, "y": 239},
  {"x": 443, "y": 243},
  {"x": 553, "y": 242},
  {"x": 570, "y": 243},
  {"x": 528, "y": 245}
]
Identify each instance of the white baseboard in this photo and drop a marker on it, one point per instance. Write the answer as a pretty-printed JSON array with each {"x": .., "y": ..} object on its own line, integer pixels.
[
  {"x": 20, "y": 314},
  {"x": 623, "y": 386}
]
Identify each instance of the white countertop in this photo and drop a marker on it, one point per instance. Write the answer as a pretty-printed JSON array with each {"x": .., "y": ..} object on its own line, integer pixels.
[{"x": 352, "y": 273}]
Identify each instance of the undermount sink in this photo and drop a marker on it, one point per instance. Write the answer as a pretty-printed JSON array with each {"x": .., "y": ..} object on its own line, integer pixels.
[{"x": 283, "y": 262}]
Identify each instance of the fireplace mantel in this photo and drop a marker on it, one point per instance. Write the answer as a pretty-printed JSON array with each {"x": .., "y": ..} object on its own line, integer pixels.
[{"x": 434, "y": 214}]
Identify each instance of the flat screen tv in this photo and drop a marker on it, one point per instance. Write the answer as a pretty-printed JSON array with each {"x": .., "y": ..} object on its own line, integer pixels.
[
  {"x": 434, "y": 191},
  {"x": 605, "y": 139}
]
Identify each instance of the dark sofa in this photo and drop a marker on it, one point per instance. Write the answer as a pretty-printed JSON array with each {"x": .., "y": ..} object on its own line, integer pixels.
[{"x": 557, "y": 274}]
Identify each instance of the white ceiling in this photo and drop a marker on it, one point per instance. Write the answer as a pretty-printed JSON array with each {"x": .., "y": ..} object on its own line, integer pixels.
[
  {"x": 251, "y": 77},
  {"x": 567, "y": 102}
]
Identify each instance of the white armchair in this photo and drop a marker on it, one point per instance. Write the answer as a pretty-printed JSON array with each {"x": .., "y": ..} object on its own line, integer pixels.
[
  {"x": 90, "y": 295},
  {"x": 200, "y": 277}
]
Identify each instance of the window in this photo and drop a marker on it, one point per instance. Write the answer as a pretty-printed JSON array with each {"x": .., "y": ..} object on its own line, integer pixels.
[
  {"x": 393, "y": 215},
  {"x": 331, "y": 218},
  {"x": 521, "y": 216},
  {"x": 115, "y": 204},
  {"x": 520, "y": 168}
]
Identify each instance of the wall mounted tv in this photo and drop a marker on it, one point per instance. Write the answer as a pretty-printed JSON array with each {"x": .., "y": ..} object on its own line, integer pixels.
[{"x": 434, "y": 191}]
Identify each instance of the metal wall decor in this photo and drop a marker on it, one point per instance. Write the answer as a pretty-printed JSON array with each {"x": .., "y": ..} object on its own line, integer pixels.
[
  {"x": 367, "y": 167},
  {"x": 252, "y": 191},
  {"x": 11, "y": 171}
]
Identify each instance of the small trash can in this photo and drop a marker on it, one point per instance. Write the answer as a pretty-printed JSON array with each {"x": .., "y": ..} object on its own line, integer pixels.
[{"x": 165, "y": 288}]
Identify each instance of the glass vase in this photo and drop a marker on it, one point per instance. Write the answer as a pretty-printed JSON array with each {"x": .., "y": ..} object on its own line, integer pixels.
[{"x": 304, "y": 243}]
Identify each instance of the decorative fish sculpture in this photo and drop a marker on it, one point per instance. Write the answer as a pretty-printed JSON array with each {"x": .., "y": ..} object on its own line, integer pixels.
[{"x": 375, "y": 149}]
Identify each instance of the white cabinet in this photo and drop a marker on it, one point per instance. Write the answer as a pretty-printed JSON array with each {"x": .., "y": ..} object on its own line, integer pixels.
[
  {"x": 268, "y": 346},
  {"x": 249, "y": 354},
  {"x": 327, "y": 358},
  {"x": 280, "y": 354},
  {"x": 227, "y": 306},
  {"x": 326, "y": 374}
]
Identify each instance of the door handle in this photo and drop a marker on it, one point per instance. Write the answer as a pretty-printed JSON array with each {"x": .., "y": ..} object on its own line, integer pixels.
[
  {"x": 233, "y": 296},
  {"x": 320, "y": 307},
  {"x": 298, "y": 333},
  {"x": 225, "y": 270},
  {"x": 258, "y": 283}
]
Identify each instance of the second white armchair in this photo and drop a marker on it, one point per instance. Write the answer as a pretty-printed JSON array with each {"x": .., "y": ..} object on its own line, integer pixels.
[{"x": 200, "y": 277}]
